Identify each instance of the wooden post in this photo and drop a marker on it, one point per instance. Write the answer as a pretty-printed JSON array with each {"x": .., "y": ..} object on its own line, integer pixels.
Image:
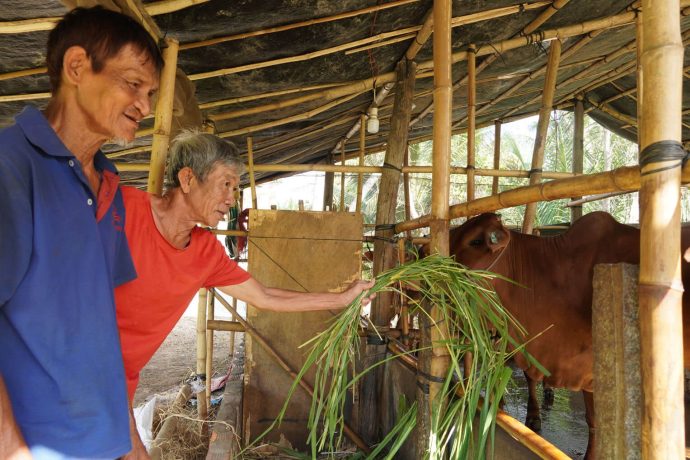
[
  {"x": 578, "y": 153},
  {"x": 362, "y": 148},
  {"x": 252, "y": 181},
  {"x": 163, "y": 118},
  {"x": 661, "y": 288},
  {"x": 342, "y": 179},
  {"x": 201, "y": 351},
  {"x": 209, "y": 345},
  {"x": 497, "y": 155},
  {"x": 616, "y": 346},
  {"x": 542, "y": 128},
  {"x": 385, "y": 221},
  {"x": 471, "y": 122},
  {"x": 435, "y": 362}
]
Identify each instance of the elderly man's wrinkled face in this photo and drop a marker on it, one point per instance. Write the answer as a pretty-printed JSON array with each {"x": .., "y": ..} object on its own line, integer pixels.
[
  {"x": 212, "y": 199},
  {"x": 116, "y": 99}
]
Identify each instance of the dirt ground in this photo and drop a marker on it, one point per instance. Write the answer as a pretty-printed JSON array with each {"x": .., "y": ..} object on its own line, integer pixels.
[{"x": 175, "y": 361}]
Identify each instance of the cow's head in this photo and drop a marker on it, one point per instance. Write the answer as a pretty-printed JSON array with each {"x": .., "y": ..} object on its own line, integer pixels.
[{"x": 478, "y": 242}]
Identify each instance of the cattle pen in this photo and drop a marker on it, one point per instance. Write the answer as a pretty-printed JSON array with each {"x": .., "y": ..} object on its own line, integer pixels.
[{"x": 304, "y": 86}]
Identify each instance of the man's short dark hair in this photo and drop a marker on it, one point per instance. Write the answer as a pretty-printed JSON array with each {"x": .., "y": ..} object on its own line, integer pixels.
[{"x": 102, "y": 33}]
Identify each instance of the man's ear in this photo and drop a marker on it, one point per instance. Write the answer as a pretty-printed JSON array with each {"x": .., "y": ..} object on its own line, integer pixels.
[
  {"x": 185, "y": 176},
  {"x": 75, "y": 63}
]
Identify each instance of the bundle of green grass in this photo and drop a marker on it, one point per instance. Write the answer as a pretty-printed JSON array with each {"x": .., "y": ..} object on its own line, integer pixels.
[{"x": 473, "y": 321}]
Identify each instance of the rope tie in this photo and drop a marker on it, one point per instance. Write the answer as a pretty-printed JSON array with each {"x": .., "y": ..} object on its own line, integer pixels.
[
  {"x": 660, "y": 152},
  {"x": 390, "y": 166}
]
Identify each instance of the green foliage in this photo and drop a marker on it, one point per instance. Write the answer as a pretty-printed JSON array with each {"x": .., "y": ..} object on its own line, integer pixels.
[{"x": 475, "y": 321}]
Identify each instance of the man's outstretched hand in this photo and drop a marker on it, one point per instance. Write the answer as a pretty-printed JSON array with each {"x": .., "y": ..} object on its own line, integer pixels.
[{"x": 355, "y": 288}]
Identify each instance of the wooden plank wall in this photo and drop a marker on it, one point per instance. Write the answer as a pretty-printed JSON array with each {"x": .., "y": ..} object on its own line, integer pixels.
[{"x": 302, "y": 251}]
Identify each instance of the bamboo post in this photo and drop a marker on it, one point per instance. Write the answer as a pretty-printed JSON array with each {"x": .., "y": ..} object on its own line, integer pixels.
[
  {"x": 639, "y": 24},
  {"x": 342, "y": 179},
  {"x": 163, "y": 118},
  {"x": 542, "y": 128},
  {"x": 170, "y": 423},
  {"x": 385, "y": 218},
  {"x": 661, "y": 288},
  {"x": 328, "y": 186},
  {"x": 404, "y": 323},
  {"x": 406, "y": 187},
  {"x": 209, "y": 345},
  {"x": 497, "y": 155},
  {"x": 362, "y": 148},
  {"x": 232, "y": 333},
  {"x": 435, "y": 362},
  {"x": 252, "y": 180},
  {"x": 578, "y": 153},
  {"x": 201, "y": 352},
  {"x": 471, "y": 121}
]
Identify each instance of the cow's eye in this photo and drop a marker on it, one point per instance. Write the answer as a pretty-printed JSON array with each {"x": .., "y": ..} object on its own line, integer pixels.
[{"x": 477, "y": 242}]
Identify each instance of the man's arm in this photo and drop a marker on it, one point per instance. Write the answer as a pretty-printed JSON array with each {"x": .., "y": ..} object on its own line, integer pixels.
[
  {"x": 265, "y": 298},
  {"x": 12, "y": 445}
]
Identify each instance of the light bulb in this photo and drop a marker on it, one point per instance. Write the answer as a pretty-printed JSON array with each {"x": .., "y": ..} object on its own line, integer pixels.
[{"x": 373, "y": 121}]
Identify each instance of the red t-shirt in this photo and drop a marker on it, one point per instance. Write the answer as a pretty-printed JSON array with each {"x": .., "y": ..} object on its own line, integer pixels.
[{"x": 167, "y": 279}]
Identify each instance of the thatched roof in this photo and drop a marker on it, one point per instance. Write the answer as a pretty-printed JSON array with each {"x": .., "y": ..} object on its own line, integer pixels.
[{"x": 602, "y": 69}]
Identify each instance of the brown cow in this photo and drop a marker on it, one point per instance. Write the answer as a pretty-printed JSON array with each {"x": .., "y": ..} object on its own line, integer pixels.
[{"x": 554, "y": 276}]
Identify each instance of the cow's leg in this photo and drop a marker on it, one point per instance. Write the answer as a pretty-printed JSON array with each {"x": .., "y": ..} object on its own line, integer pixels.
[
  {"x": 547, "y": 401},
  {"x": 589, "y": 416},
  {"x": 533, "y": 420}
]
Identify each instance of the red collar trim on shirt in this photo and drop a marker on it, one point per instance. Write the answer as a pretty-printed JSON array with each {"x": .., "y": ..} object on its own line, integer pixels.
[{"x": 107, "y": 192}]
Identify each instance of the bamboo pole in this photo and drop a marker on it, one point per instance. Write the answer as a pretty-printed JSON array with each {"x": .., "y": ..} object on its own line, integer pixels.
[
  {"x": 201, "y": 352},
  {"x": 209, "y": 345},
  {"x": 404, "y": 321},
  {"x": 660, "y": 288},
  {"x": 296, "y": 25},
  {"x": 406, "y": 187},
  {"x": 298, "y": 117},
  {"x": 24, "y": 97},
  {"x": 497, "y": 155},
  {"x": 545, "y": 15},
  {"x": 329, "y": 179},
  {"x": 362, "y": 148},
  {"x": 435, "y": 362},
  {"x": 292, "y": 168},
  {"x": 254, "y": 97},
  {"x": 342, "y": 180},
  {"x": 471, "y": 122},
  {"x": 639, "y": 36},
  {"x": 349, "y": 432},
  {"x": 578, "y": 153},
  {"x": 542, "y": 128},
  {"x": 170, "y": 423},
  {"x": 163, "y": 120},
  {"x": 251, "y": 168},
  {"x": 223, "y": 325}
]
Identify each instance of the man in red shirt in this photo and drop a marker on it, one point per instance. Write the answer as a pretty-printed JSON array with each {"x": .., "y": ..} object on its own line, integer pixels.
[{"x": 174, "y": 257}]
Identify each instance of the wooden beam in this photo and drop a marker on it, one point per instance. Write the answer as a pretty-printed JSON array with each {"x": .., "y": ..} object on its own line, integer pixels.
[{"x": 542, "y": 128}]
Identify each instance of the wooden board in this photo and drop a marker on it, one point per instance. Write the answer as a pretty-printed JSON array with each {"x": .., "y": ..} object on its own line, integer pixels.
[{"x": 301, "y": 251}]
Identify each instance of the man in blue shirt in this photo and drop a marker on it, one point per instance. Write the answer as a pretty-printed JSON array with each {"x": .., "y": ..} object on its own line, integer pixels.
[{"x": 62, "y": 243}]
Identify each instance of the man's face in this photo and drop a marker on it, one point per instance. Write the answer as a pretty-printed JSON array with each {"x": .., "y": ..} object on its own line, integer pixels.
[
  {"x": 115, "y": 99},
  {"x": 211, "y": 200}
]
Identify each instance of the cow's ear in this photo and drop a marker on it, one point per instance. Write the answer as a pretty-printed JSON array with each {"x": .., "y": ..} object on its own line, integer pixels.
[{"x": 497, "y": 238}]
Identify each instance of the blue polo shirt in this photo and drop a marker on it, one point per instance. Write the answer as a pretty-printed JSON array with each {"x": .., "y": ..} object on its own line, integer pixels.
[{"x": 62, "y": 251}]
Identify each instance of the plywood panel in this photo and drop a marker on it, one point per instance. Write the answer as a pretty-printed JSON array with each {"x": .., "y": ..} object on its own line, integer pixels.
[{"x": 301, "y": 251}]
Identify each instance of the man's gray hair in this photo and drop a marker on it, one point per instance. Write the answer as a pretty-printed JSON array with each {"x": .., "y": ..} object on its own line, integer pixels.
[{"x": 201, "y": 152}]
